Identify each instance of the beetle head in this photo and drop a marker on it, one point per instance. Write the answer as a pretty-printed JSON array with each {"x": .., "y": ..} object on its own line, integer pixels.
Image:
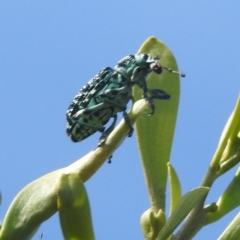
[
  {"x": 157, "y": 68},
  {"x": 154, "y": 65}
]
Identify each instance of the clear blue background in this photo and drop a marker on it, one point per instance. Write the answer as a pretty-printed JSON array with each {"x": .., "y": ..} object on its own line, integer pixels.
[{"x": 50, "y": 49}]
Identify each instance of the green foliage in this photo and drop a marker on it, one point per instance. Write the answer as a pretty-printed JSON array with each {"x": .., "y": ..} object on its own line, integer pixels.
[
  {"x": 232, "y": 232},
  {"x": 63, "y": 190},
  {"x": 74, "y": 210},
  {"x": 186, "y": 203},
  {"x": 175, "y": 187},
  {"x": 155, "y": 133}
]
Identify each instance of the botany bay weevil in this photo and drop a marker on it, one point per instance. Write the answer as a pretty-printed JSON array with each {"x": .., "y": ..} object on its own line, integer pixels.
[{"x": 108, "y": 93}]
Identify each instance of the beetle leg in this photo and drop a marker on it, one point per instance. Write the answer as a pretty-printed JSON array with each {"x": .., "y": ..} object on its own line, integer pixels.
[
  {"x": 108, "y": 96},
  {"x": 157, "y": 94},
  {"x": 80, "y": 118},
  {"x": 73, "y": 130},
  {"x": 125, "y": 115},
  {"x": 87, "y": 111},
  {"x": 151, "y": 103},
  {"x": 110, "y": 159},
  {"x": 143, "y": 85},
  {"x": 83, "y": 113},
  {"x": 150, "y": 94},
  {"x": 112, "y": 103},
  {"x": 128, "y": 122},
  {"x": 101, "y": 129},
  {"x": 73, "y": 122},
  {"x": 106, "y": 133},
  {"x": 148, "y": 99},
  {"x": 113, "y": 92},
  {"x": 137, "y": 74}
]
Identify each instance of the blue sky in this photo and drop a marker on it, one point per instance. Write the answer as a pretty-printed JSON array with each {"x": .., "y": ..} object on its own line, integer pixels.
[{"x": 50, "y": 49}]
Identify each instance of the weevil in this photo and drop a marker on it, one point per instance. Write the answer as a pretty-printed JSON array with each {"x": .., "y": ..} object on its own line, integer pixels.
[{"x": 108, "y": 93}]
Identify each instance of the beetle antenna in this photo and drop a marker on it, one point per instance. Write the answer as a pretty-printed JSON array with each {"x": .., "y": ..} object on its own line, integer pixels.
[{"x": 175, "y": 72}]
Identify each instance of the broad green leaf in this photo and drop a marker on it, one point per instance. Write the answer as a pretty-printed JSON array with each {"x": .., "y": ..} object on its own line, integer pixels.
[
  {"x": 184, "y": 206},
  {"x": 232, "y": 232},
  {"x": 33, "y": 205},
  {"x": 74, "y": 209},
  {"x": 175, "y": 188},
  {"x": 155, "y": 133}
]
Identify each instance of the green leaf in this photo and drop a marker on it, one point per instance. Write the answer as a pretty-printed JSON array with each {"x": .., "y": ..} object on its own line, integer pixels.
[
  {"x": 229, "y": 200},
  {"x": 232, "y": 232},
  {"x": 184, "y": 206},
  {"x": 227, "y": 143},
  {"x": 231, "y": 132},
  {"x": 155, "y": 133},
  {"x": 74, "y": 209},
  {"x": 34, "y": 204},
  {"x": 231, "y": 138},
  {"x": 175, "y": 188}
]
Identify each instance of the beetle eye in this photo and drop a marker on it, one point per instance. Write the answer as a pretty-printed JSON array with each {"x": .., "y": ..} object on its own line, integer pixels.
[{"x": 157, "y": 69}]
